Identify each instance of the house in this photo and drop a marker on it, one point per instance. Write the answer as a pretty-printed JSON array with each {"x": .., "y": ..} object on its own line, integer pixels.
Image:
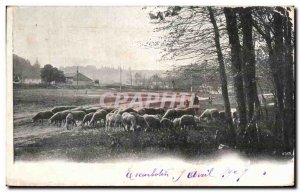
[
  {"x": 32, "y": 80},
  {"x": 72, "y": 78}
]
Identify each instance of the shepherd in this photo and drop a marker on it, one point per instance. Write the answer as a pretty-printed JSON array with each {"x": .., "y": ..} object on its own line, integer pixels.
[{"x": 196, "y": 103}]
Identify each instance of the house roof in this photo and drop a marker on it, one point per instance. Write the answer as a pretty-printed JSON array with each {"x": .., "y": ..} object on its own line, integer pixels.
[{"x": 81, "y": 77}]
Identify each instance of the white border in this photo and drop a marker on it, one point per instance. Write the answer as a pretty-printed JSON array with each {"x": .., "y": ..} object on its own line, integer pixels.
[{"x": 4, "y": 3}]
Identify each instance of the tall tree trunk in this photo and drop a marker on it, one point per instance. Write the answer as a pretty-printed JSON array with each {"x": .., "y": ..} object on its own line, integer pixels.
[
  {"x": 248, "y": 60},
  {"x": 236, "y": 64},
  {"x": 223, "y": 78},
  {"x": 289, "y": 118},
  {"x": 249, "y": 74},
  {"x": 277, "y": 69}
]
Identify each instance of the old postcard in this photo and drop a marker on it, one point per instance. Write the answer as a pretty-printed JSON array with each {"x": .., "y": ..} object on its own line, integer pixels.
[{"x": 150, "y": 96}]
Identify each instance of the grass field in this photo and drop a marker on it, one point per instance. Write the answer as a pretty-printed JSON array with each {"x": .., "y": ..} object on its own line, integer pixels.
[{"x": 33, "y": 141}]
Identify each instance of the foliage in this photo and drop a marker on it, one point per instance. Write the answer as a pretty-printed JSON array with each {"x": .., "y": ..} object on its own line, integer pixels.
[
  {"x": 50, "y": 74},
  {"x": 23, "y": 69}
]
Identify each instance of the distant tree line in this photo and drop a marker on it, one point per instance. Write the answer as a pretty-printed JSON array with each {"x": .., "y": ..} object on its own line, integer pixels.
[{"x": 22, "y": 69}]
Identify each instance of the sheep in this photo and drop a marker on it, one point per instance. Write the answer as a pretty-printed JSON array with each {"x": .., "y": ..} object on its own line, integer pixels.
[
  {"x": 140, "y": 121},
  {"x": 176, "y": 122},
  {"x": 109, "y": 109},
  {"x": 113, "y": 119},
  {"x": 78, "y": 115},
  {"x": 63, "y": 115},
  {"x": 235, "y": 118},
  {"x": 153, "y": 122},
  {"x": 197, "y": 121},
  {"x": 109, "y": 119},
  {"x": 234, "y": 113},
  {"x": 151, "y": 111},
  {"x": 78, "y": 109},
  {"x": 176, "y": 113},
  {"x": 187, "y": 121},
  {"x": 61, "y": 108},
  {"x": 55, "y": 118},
  {"x": 159, "y": 117},
  {"x": 222, "y": 115},
  {"x": 70, "y": 120},
  {"x": 126, "y": 110},
  {"x": 98, "y": 116},
  {"x": 117, "y": 120},
  {"x": 42, "y": 115},
  {"x": 160, "y": 111},
  {"x": 129, "y": 121},
  {"x": 92, "y": 109},
  {"x": 166, "y": 123},
  {"x": 59, "y": 117},
  {"x": 87, "y": 118},
  {"x": 74, "y": 116},
  {"x": 210, "y": 115},
  {"x": 170, "y": 114}
]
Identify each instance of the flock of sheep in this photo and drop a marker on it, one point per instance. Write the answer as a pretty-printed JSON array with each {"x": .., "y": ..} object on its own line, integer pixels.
[{"x": 145, "y": 119}]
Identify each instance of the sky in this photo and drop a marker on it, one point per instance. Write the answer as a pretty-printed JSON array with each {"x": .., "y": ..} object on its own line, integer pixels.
[{"x": 101, "y": 36}]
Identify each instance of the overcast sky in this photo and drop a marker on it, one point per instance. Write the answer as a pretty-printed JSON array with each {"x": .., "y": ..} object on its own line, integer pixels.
[{"x": 66, "y": 36}]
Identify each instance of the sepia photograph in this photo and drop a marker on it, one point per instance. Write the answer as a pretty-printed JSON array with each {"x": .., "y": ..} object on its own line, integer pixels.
[{"x": 151, "y": 96}]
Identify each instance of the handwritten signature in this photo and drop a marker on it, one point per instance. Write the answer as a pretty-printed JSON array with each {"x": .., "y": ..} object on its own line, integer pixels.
[{"x": 236, "y": 174}]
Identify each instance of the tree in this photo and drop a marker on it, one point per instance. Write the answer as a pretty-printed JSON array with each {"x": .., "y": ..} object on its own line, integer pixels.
[
  {"x": 248, "y": 53},
  {"x": 289, "y": 83},
  {"x": 194, "y": 34},
  {"x": 50, "y": 73},
  {"x": 138, "y": 78},
  {"x": 36, "y": 69},
  {"x": 59, "y": 77},
  {"x": 23, "y": 69},
  {"x": 274, "y": 26},
  {"x": 46, "y": 73},
  {"x": 130, "y": 79},
  {"x": 236, "y": 60},
  {"x": 223, "y": 76}
]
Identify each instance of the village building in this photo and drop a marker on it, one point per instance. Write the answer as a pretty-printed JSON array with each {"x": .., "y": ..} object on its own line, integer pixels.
[{"x": 81, "y": 79}]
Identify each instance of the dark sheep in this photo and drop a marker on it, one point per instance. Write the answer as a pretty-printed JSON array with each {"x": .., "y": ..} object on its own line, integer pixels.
[
  {"x": 152, "y": 121},
  {"x": 98, "y": 116},
  {"x": 109, "y": 109},
  {"x": 74, "y": 116},
  {"x": 222, "y": 116},
  {"x": 79, "y": 109},
  {"x": 92, "y": 109},
  {"x": 78, "y": 115},
  {"x": 126, "y": 110},
  {"x": 87, "y": 118},
  {"x": 177, "y": 113},
  {"x": 151, "y": 111},
  {"x": 187, "y": 121},
  {"x": 59, "y": 117},
  {"x": 61, "y": 108},
  {"x": 42, "y": 115},
  {"x": 166, "y": 123}
]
